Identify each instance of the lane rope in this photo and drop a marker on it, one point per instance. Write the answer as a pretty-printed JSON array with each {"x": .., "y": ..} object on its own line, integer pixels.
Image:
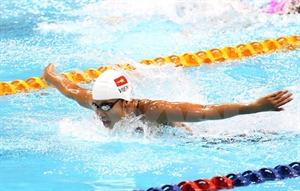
[
  {"x": 229, "y": 53},
  {"x": 284, "y": 43},
  {"x": 233, "y": 180}
]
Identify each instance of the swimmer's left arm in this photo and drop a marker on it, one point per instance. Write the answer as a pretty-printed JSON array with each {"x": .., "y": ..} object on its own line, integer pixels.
[{"x": 163, "y": 111}]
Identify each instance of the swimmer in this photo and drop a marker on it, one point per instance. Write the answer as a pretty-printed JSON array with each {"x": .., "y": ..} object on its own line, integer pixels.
[
  {"x": 282, "y": 7},
  {"x": 292, "y": 7},
  {"x": 111, "y": 99}
]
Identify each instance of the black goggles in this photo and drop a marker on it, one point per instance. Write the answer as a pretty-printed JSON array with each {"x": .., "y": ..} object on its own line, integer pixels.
[{"x": 105, "y": 106}]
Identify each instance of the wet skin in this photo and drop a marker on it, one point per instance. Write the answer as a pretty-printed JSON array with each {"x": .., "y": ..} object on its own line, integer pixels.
[{"x": 164, "y": 112}]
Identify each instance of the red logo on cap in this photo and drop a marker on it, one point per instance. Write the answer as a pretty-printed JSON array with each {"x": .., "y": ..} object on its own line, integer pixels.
[{"x": 120, "y": 81}]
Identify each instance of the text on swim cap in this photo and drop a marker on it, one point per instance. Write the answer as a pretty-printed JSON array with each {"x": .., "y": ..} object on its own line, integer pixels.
[{"x": 123, "y": 89}]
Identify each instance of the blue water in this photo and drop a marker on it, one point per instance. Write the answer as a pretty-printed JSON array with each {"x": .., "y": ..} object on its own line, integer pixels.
[{"x": 50, "y": 143}]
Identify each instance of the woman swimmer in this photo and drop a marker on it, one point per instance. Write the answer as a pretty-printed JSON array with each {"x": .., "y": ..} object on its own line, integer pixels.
[
  {"x": 111, "y": 99},
  {"x": 282, "y": 7}
]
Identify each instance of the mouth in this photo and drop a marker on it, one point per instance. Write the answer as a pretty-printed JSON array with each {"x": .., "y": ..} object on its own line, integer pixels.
[{"x": 106, "y": 122}]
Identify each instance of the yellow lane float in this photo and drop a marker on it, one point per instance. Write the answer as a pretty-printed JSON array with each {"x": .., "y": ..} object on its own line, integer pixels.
[{"x": 185, "y": 60}]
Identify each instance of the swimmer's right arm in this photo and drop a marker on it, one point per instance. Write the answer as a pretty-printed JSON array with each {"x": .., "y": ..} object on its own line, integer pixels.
[{"x": 68, "y": 88}]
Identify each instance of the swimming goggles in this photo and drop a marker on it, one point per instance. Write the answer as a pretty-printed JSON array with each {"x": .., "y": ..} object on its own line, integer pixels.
[{"x": 106, "y": 106}]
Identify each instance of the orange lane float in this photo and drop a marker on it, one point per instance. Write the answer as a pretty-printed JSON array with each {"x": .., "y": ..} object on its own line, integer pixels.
[
  {"x": 240, "y": 51},
  {"x": 284, "y": 43}
]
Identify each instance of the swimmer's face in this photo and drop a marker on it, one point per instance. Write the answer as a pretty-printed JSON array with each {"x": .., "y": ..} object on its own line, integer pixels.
[{"x": 109, "y": 111}]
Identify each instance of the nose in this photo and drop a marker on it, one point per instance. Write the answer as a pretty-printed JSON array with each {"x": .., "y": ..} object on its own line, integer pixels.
[{"x": 100, "y": 112}]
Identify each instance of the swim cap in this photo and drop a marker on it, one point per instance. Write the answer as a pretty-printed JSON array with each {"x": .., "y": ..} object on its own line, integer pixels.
[{"x": 111, "y": 85}]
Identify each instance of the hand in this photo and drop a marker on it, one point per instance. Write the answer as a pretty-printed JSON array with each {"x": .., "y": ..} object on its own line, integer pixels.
[
  {"x": 274, "y": 101},
  {"x": 48, "y": 71}
]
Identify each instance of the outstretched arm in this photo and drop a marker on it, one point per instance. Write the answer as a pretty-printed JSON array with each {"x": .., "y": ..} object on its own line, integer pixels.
[
  {"x": 162, "y": 111},
  {"x": 68, "y": 88}
]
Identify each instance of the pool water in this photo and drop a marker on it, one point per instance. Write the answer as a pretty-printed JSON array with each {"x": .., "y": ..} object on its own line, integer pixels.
[{"x": 48, "y": 142}]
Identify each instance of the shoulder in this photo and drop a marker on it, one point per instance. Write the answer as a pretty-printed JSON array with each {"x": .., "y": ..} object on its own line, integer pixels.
[
  {"x": 159, "y": 104},
  {"x": 155, "y": 107},
  {"x": 140, "y": 106},
  {"x": 146, "y": 103}
]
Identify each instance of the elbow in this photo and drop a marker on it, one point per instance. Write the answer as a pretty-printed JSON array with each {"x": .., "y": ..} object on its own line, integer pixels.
[
  {"x": 67, "y": 92},
  {"x": 71, "y": 93}
]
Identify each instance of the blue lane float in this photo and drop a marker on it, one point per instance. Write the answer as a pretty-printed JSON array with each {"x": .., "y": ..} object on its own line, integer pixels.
[{"x": 234, "y": 179}]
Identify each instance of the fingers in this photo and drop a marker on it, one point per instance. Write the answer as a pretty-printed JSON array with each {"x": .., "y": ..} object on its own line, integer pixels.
[
  {"x": 284, "y": 99},
  {"x": 278, "y": 93},
  {"x": 50, "y": 68},
  {"x": 281, "y": 98}
]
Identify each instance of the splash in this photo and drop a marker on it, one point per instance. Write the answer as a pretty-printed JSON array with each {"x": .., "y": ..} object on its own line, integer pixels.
[{"x": 113, "y": 13}]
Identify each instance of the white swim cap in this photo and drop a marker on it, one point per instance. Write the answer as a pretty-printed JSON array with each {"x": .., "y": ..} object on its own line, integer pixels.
[{"x": 111, "y": 85}]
